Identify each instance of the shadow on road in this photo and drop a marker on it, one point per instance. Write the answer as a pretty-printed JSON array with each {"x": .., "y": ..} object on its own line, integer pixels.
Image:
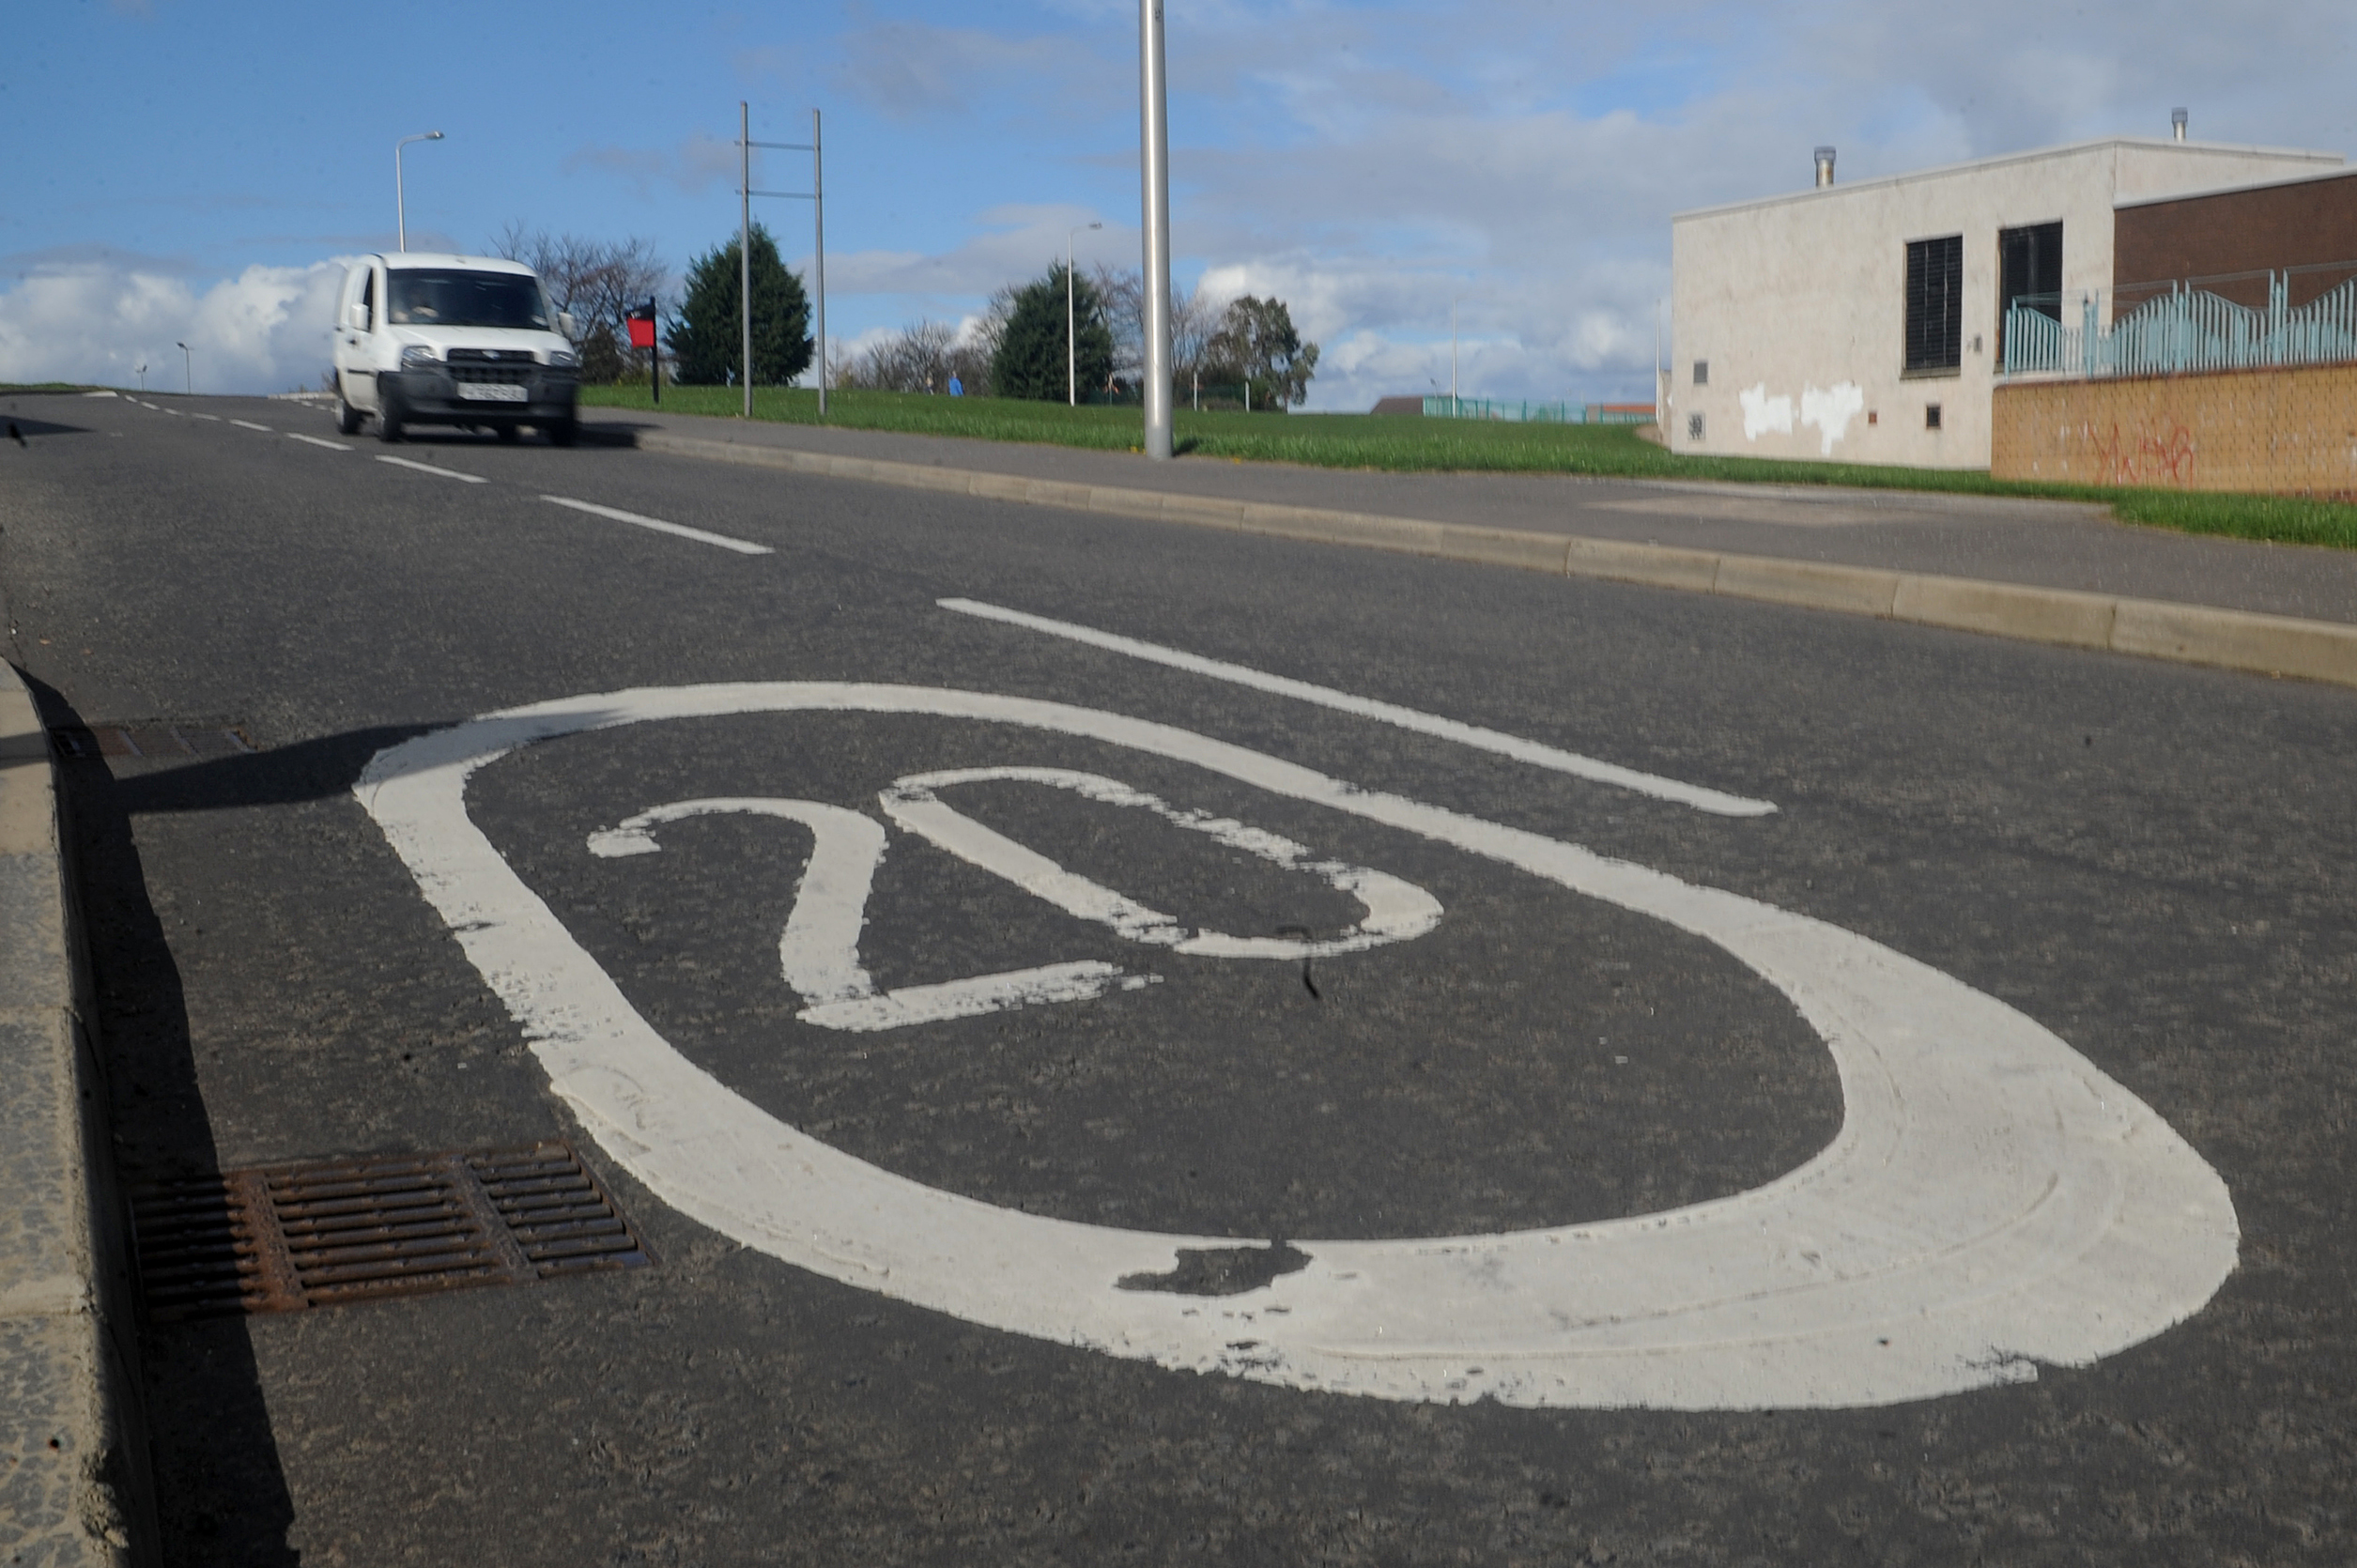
[
  {"x": 307, "y": 770},
  {"x": 221, "y": 1494}
]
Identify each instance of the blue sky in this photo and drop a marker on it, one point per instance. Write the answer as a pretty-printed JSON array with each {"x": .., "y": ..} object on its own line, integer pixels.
[{"x": 181, "y": 168}]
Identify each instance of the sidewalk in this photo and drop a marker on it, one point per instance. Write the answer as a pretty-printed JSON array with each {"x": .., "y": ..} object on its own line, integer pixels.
[{"x": 2065, "y": 546}]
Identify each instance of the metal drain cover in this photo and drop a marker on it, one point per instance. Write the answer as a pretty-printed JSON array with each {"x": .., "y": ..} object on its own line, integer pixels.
[{"x": 323, "y": 1233}]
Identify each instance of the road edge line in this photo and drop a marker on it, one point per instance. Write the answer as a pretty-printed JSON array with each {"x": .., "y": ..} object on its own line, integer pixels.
[
  {"x": 69, "y": 1349},
  {"x": 2250, "y": 642}
]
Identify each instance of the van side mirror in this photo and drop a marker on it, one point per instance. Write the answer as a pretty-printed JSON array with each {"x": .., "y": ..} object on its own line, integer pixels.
[
  {"x": 566, "y": 325},
  {"x": 357, "y": 316}
]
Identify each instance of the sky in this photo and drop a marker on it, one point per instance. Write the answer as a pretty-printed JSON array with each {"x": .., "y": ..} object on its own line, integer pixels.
[{"x": 1493, "y": 181}]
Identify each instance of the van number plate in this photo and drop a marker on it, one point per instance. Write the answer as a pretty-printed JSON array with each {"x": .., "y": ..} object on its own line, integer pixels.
[{"x": 491, "y": 392}]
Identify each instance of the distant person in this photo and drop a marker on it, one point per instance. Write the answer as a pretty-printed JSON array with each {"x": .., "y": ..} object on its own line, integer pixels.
[{"x": 957, "y": 388}]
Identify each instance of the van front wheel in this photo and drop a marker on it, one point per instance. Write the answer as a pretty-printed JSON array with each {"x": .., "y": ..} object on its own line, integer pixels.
[
  {"x": 347, "y": 417},
  {"x": 563, "y": 432},
  {"x": 388, "y": 414}
]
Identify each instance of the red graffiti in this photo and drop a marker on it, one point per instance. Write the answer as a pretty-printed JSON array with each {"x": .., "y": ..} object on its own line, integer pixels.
[{"x": 2146, "y": 458}]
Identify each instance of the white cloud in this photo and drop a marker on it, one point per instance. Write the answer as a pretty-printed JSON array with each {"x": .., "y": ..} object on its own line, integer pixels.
[
  {"x": 1017, "y": 244},
  {"x": 691, "y": 166},
  {"x": 263, "y": 330},
  {"x": 1368, "y": 163}
]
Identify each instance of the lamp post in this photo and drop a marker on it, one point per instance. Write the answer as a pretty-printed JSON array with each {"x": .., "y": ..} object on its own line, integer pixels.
[
  {"x": 188, "y": 368},
  {"x": 400, "y": 204},
  {"x": 1071, "y": 347},
  {"x": 1452, "y": 358},
  {"x": 1154, "y": 169}
]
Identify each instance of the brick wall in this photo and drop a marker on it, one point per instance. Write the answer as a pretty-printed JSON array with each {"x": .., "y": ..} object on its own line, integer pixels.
[
  {"x": 2298, "y": 222},
  {"x": 2291, "y": 431}
]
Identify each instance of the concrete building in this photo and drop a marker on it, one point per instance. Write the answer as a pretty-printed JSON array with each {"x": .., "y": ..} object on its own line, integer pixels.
[{"x": 1861, "y": 322}]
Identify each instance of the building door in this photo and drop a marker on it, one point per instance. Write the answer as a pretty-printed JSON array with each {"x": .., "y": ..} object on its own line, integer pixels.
[{"x": 2029, "y": 273}]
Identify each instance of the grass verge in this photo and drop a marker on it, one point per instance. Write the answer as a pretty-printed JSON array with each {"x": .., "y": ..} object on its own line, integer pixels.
[{"x": 1420, "y": 445}]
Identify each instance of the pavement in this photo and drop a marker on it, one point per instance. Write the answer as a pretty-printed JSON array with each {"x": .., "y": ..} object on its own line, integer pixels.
[
  {"x": 2067, "y": 545},
  {"x": 2136, "y": 861}
]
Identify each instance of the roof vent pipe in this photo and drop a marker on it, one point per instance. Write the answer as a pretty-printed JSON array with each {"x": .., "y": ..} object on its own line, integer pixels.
[
  {"x": 1825, "y": 167},
  {"x": 2177, "y": 123}
]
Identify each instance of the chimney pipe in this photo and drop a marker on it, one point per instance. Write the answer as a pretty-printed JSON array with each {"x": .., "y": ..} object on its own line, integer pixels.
[
  {"x": 2177, "y": 123},
  {"x": 1824, "y": 166}
]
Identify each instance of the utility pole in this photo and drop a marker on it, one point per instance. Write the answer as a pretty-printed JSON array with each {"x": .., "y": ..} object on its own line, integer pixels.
[
  {"x": 816, "y": 195},
  {"x": 1071, "y": 348},
  {"x": 745, "y": 247},
  {"x": 1154, "y": 137},
  {"x": 818, "y": 208}
]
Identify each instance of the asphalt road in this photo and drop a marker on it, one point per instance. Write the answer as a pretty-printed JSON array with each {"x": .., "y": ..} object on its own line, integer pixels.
[{"x": 2147, "y": 860}]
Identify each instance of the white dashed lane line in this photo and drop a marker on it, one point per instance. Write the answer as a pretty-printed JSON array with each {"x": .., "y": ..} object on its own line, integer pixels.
[
  {"x": 249, "y": 425},
  {"x": 315, "y": 440},
  {"x": 1700, "y": 797},
  {"x": 428, "y": 468},
  {"x": 213, "y": 418},
  {"x": 742, "y": 546}
]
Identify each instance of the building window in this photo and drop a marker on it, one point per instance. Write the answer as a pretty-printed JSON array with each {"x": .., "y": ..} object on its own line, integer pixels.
[
  {"x": 1930, "y": 416},
  {"x": 2029, "y": 273},
  {"x": 1935, "y": 304},
  {"x": 1693, "y": 428},
  {"x": 1701, "y": 373}
]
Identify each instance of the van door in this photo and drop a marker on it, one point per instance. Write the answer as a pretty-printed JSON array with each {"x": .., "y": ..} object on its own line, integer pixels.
[{"x": 361, "y": 319}]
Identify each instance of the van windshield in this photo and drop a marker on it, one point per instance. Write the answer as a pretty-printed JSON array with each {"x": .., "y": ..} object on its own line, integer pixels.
[{"x": 434, "y": 297}]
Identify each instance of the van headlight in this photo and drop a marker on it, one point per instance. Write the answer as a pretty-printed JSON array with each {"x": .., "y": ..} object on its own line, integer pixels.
[
  {"x": 562, "y": 359},
  {"x": 419, "y": 355}
]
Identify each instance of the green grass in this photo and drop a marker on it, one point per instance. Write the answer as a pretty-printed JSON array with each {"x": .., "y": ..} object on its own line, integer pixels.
[
  {"x": 45, "y": 387},
  {"x": 1467, "y": 446}
]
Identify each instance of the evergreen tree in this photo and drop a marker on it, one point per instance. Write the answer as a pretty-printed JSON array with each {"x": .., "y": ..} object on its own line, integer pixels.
[
  {"x": 1030, "y": 359},
  {"x": 706, "y": 337}
]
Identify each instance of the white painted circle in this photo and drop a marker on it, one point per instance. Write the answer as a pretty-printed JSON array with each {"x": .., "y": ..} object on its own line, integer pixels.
[{"x": 1993, "y": 1201}]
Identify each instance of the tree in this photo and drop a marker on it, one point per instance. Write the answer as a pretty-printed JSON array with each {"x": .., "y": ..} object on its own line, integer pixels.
[
  {"x": 705, "y": 337},
  {"x": 599, "y": 283},
  {"x": 1029, "y": 360},
  {"x": 920, "y": 358},
  {"x": 1258, "y": 345},
  {"x": 1193, "y": 318}
]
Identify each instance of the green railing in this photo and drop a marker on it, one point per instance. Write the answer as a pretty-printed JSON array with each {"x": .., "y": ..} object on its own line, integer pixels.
[
  {"x": 1445, "y": 406},
  {"x": 2176, "y": 327}
]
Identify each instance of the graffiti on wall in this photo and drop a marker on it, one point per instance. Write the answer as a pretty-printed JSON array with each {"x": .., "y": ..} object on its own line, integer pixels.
[{"x": 2158, "y": 451}]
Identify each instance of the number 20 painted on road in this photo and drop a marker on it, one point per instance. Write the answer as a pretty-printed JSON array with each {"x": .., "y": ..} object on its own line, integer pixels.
[{"x": 1992, "y": 1200}]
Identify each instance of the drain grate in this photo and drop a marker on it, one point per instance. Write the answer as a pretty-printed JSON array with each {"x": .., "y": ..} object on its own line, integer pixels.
[
  {"x": 324, "y": 1233},
  {"x": 151, "y": 740}
]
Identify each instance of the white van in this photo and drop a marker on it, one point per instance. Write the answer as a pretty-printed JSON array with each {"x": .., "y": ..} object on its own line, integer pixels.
[{"x": 429, "y": 339}]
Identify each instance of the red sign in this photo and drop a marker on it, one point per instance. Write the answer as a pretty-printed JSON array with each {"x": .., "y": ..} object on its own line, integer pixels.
[{"x": 641, "y": 330}]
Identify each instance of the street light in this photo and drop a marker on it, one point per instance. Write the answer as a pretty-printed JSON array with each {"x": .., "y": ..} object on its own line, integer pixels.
[
  {"x": 1154, "y": 179},
  {"x": 188, "y": 367},
  {"x": 1071, "y": 349},
  {"x": 400, "y": 208}
]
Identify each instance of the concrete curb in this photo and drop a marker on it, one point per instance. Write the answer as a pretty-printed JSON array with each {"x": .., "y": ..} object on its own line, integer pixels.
[
  {"x": 72, "y": 1489},
  {"x": 2152, "y": 628}
]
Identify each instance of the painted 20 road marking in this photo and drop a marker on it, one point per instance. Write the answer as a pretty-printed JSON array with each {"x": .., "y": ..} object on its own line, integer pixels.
[
  {"x": 819, "y": 952},
  {"x": 1992, "y": 1200}
]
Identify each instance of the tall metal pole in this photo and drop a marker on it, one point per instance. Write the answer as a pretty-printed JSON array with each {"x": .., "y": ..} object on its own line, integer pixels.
[
  {"x": 818, "y": 206},
  {"x": 745, "y": 248},
  {"x": 400, "y": 203},
  {"x": 1072, "y": 351},
  {"x": 1154, "y": 133}
]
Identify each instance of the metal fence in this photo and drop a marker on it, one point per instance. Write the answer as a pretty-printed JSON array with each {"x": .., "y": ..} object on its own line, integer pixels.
[
  {"x": 2169, "y": 328},
  {"x": 1445, "y": 406}
]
